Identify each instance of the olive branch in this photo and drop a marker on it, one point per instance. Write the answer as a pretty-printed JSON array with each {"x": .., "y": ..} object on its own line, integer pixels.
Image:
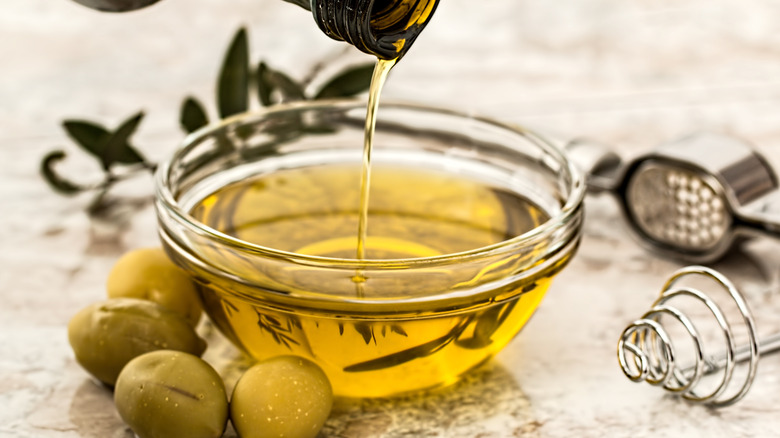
[{"x": 238, "y": 79}]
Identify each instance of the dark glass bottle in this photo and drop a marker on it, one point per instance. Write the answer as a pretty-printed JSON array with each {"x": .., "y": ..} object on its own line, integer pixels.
[{"x": 383, "y": 28}]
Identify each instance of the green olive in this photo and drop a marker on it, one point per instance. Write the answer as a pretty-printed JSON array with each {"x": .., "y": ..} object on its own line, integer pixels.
[
  {"x": 166, "y": 394},
  {"x": 149, "y": 274},
  {"x": 107, "y": 335},
  {"x": 286, "y": 396}
]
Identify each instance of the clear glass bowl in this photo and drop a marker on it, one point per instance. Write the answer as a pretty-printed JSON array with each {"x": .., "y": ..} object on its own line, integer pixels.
[{"x": 390, "y": 324}]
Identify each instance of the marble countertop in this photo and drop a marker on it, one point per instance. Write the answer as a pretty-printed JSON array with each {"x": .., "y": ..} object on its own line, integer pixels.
[{"x": 629, "y": 74}]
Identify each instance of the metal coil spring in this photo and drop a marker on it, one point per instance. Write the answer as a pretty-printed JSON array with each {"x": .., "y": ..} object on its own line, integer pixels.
[{"x": 646, "y": 352}]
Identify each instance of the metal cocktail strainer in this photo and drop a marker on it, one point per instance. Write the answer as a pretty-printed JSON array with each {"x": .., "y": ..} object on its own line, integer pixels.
[{"x": 691, "y": 199}]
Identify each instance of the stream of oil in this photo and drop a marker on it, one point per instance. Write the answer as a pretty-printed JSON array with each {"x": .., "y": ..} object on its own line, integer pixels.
[
  {"x": 381, "y": 71},
  {"x": 378, "y": 79},
  {"x": 418, "y": 209}
]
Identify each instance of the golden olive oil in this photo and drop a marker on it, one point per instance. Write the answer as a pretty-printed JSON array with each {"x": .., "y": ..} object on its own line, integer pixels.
[
  {"x": 414, "y": 212},
  {"x": 382, "y": 213},
  {"x": 393, "y": 275},
  {"x": 378, "y": 79}
]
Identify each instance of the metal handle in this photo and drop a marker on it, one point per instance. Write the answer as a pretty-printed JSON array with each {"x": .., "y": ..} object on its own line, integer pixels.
[
  {"x": 767, "y": 345},
  {"x": 763, "y": 215},
  {"x": 600, "y": 164}
]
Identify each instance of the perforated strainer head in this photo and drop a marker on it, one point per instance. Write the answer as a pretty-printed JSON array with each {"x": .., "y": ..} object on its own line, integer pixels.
[
  {"x": 692, "y": 198},
  {"x": 678, "y": 207}
]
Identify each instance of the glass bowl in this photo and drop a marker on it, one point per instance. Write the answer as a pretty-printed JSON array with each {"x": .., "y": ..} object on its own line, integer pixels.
[{"x": 469, "y": 221}]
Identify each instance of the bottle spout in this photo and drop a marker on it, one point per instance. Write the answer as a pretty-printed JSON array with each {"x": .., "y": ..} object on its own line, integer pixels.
[{"x": 383, "y": 28}]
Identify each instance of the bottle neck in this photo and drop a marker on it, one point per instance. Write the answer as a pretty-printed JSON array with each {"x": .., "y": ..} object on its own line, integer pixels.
[{"x": 383, "y": 28}]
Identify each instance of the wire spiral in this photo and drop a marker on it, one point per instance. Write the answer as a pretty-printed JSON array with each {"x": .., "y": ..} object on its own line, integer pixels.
[{"x": 646, "y": 352}]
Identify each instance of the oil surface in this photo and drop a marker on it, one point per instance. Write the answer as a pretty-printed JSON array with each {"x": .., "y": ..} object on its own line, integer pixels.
[{"x": 414, "y": 212}]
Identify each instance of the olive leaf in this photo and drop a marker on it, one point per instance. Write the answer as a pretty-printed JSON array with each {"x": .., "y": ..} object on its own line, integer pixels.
[
  {"x": 397, "y": 329},
  {"x": 487, "y": 323},
  {"x": 270, "y": 81},
  {"x": 233, "y": 82},
  {"x": 401, "y": 357},
  {"x": 89, "y": 136},
  {"x": 117, "y": 147},
  {"x": 107, "y": 147},
  {"x": 193, "y": 116},
  {"x": 366, "y": 331},
  {"x": 57, "y": 182},
  {"x": 95, "y": 140},
  {"x": 229, "y": 307},
  {"x": 348, "y": 83},
  {"x": 281, "y": 333},
  {"x": 233, "y": 87},
  {"x": 264, "y": 87},
  {"x": 410, "y": 354},
  {"x": 288, "y": 88}
]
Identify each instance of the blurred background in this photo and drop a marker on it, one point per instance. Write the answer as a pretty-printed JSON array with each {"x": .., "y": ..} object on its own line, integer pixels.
[{"x": 630, "y": 74}]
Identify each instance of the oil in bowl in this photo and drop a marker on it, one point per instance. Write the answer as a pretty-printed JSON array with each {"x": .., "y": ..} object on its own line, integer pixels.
[{"x": 468, "y": 222}]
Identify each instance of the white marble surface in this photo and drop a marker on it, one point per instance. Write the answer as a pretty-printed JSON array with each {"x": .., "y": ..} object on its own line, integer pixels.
[{"x": 631, "y": 74}]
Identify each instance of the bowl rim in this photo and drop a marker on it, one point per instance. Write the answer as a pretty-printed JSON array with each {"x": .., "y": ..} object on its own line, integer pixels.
[{"x": 568, "y": 212}]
